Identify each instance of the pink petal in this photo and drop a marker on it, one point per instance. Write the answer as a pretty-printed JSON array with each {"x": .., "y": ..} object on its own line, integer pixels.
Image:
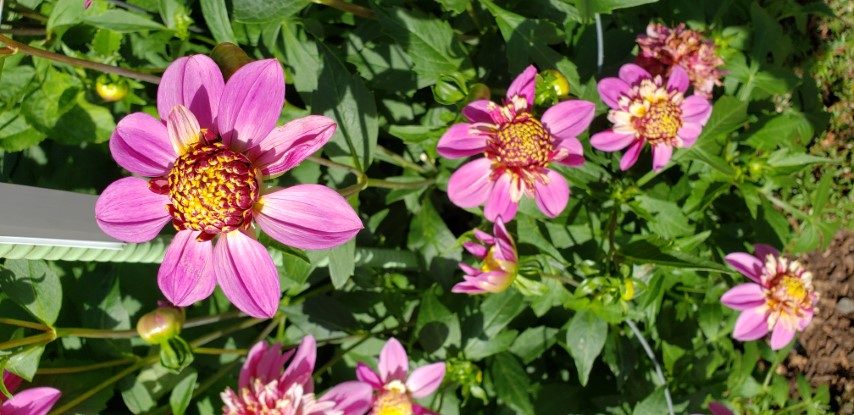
[
  {"x": 661, "y": 154},
  {"x": 128, "y": 211},
  {"x": 479, "y": 111},
  {"x": 631, "y": 73},
  {"x": 696, "y": 109},
  {"x": 263, "y": 362},
  {"x": 608, "y": 140},
  {"x": 500, "y": 201},
  {"x": 552, "y": 194},
  {"x": 467, "y": 287},
  {"x": 805, "y": 319},
  {"x": 470, "y": 270},
  {"x": 574, "y": 152},
  {"x": 483, "y": 237},
  {"x": 751, "y": 325},
  {"x": 630, "y": 157},
  {"x": 475, "y": 249},
  {"x": 568, "y": 119},
  {"x": 610, "y": 89},
  {"x": 351, "y": 398},
  {"x": 287, "y": 146},
  {"x": 366, "y": 374},
  {"x": 194, "y": 82},
  {"x": 678, "y": 79},
  {"x": 469, "y": 186},
  {"x": 393, "y": 362},
  {"x": 141, "y": 145},
  {"x": 420, "y": 410},
  {"x": 762, "y": 251},
  {"x": 781, "y": 335},
  {"x": 459, "y": 142},
  {"x": 524, "y": 85},
  {"x": 718, "y": 409},
  {"x": 247, "y": 372},
  {"x": 33, "y": 401},
  {"x": 247, "y": 274},
  {"x": 300, "y": 368},
  {"x": 11, "y": 381},
  {"x": 251, "y": 103},
  {"x": 186, "y": 275},
  {"x": 308, "y": 216},
  {"x": 425, "y": 380},
  {"x": 505, "y": 243},
  {"x": 744, "y": 296},
  {"x": 689, "y": 133},
  {"x": 748, "y": 265},
  {"x": 183, "y": 129}
]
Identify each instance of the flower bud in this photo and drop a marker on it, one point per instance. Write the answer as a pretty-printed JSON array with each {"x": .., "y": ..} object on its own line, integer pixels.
[
  {"x": 175, "y": 354},
  {"x": 558, "y": 83},
  {"x": 111, "y": 90},
  {"x": 450, "y": 89},
  {"x": 160, "y": 325},
  {"x": 477, "y": 92}
]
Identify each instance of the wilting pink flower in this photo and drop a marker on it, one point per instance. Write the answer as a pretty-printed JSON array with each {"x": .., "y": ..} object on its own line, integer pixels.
[
  {"x": 663, "y": 49},
  {"x": 780, "y": 299},
  {"x": 395, "y": 390},
  {"x": 265, "y": 389},
  {"x": 33, "y": 401},
  {"x": 518, "y": 149},
  {"x": 498, "y": 269},
  {"x": 208, "y": 159},
  {"x": 645, "y": 110}
]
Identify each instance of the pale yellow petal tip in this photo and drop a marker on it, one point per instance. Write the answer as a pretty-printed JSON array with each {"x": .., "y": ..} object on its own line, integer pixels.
[{"x": 183, "y": 129}]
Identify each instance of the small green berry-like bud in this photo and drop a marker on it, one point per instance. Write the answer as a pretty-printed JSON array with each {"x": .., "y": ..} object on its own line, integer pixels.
[
  {"x": 558, "y": 82},
  {"x": 160, "y": 325},
  {"x": 111, "y": 90}
]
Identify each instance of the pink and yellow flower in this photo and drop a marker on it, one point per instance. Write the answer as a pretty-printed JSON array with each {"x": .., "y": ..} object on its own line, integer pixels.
[
  {"x": 780, "y": 299},
  {"x": 265, "y": 389},
  {"x": 33, "y": 401},
  {"x": 207, "y": 160},
  {"x": 498, "y": 269},
  {"x": 646, "y": 110},
  {"x": 662, "y": 49},
  {"x": 394, "y": 390},
  {"x": 518, "y": 150}
]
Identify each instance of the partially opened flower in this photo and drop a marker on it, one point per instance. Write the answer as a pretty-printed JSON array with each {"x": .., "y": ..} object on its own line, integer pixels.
[
  {"x": 518, "y": 150},
  {"x": 646, "y": 110},
  {"x": 208, "y": 159},
  {"x": 780, "y": 299},
  {"x": 394, "y": 389},
  {"x": 264, "y": 389},
  {"x": 498, "y": 269},
  {"x": 33, "y": 401}
]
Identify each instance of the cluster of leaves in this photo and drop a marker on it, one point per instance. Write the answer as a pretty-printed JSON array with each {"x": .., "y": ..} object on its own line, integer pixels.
[{"x": 635, "y": 258}]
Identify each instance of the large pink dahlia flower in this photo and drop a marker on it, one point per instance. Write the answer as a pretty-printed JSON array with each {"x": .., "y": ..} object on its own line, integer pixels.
[
  {"x": 780, "y": 299},
  {"x": 518, "y": 149},
  {"x": 498, "y": 269},
  {"x": 646, "y": 110},
  {"x": 265, "y": 389},
  {"x": 395, "y": 390},
  {"x": 207, "y": 160},
  {"x": 33, "y": 401}
]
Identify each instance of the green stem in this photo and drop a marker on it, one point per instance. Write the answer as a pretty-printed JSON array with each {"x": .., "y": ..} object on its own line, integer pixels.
[
  {"x": 330, "y": 163},
  {"x": 348, "y": 8},
  {"x": 201, "y": 321},
  {"x": 341, "y": 353},
  {"x": 115, "y": 378},
  {"x": 86, "y": 368},
  {"x": 227, "y": 330},
  {"x": 799, "y": 405},
  {"x": 561, "y": 278},
  {"x": 612, "y": 235},
  {"x": 385, "y": 184},
  {"x": 38, "y": 338},
  {"x": 95, "y": 333},
  {"x": 23, "y": 323},
  {"x": 398, "y": 160},
  {"x": 215, "y": 351},
  {"x": 25, "y": 31}
]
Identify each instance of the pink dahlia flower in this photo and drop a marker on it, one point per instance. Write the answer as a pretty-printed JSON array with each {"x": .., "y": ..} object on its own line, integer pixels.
[
  {"x": 780, "y": 299},
  {"x": 662, "y": 49},
  {"x": 265, "y": 389},
  {"x": 646, "y": 110},
  {"x": 33, "y": 401},
  {"x": 207, "y": 160},
  {"x": 518, "y": 149},
  {"x": 395, "y": 390},
  {"x": 498, "y": 269}
]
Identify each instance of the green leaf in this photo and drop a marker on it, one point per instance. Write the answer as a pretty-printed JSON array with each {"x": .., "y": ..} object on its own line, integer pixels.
[
  {"x": 25, "y": 362},
  {"x": 511, "y": 383},
  {"x": 57, "y": 94},
  {"x": 84, "y": 122},
  {"x": 343, "y": 97},
  {"x": 710, "y": 319},
  {"x": 216, "y": 17},
  {"x": 17, "y": 134},
  {"x": 808, "y": 239},
  {"x": 34, "y": 286},
  {"x": 342, "y": 263},
  {"x": 533, "y": 342},
  {"x": 822, "y": 195},
  {"x": 65, "y": 13},
  {"x": 585, "y": 338},
  {"x": 262, "y": 11},
  {"x": 588, "y": 8},
  {"x": 500, "y": 309},
  {"x": 645, "y": 252},
  {"x": 106, "y": 42},
  {"x": 123, "y": 21},
  {"x": 728, "y": 114},
  {"x": 141, "y": 393},
  {"x": 478, "y": 349},
  {"x": 436, "y": 325},
  {"x": 654, "y": 404},
  {"x": 179, "y": 399},
  {"x": 783, "y": 158},
  {"x": 782, "y": 130},
  {"x": 302, "y": 57},
  {"x": 668, "y": 221}
]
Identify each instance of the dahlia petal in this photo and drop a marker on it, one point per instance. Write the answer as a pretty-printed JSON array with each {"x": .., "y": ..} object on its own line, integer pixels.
[
  {"x": 661, "y": 154},
  {"x": 748, "y": 265},
  {"x": 308, "y": 216},
  {"x": 761, "y": 251},
  {"x": 568, "y": 119},
  {"x": 350, "y": 397},
  {"x": 750, "y": 325},
  {"x": 610, "y": 90},
  {"x": 186, "y": 275},
  {"x": 524, "y": 85},
  {"x": 393, "y": 362},
  {"x": 678, "y": 79},
  {"x": 128, "y": 211},
  {"x": 476, "y": 249},
  {"x": 300, "y": 368},
  {"x": 141, "y": 145},
  {"x": 574, "y": 152},
  {"x": 459, "y": 142},
  {"x": 251, "y": 103},
  {"x": 467, "y": 287},
  {"x": 270, "y": 365},
  {"x": 479, "y": 111},
  {"x": 689, "y": 132},
  {"x": 246, "y": 274},
  {"x": 781, "y": 335},
  {"x": 425, "y": 380},
  {"x": 630, "y": 157},
  {"x": 194, "y": 82},
  {"x": 609, "y": 140},
  {"x": 552, "y": 195},
  {"x": 33, "y": 401},
  {"x": 11, "y": 381},
  {"x": 500, "y": 201},
  {"x": 484, "y": 237},
  {"x": 504, "y": 241},
  {"x": 492, "y": 281},
  {"x": 744, "y": 296},
  {"x": 183, "y": 128},
  {"x": 247, "y": 372},
  {"x": 469, "y": 186},
  {"x": 696, "y": 109},
  {"x": 804, "y": 321},
  {"x": 470, "y": 270},
  {"x": 631, "y": 73},
  {"x": 287, "y": 146},
  {"x": 420, "y": 410},
  {"x": 366, "y": 374},
  {"x": 718, "y": 409}
]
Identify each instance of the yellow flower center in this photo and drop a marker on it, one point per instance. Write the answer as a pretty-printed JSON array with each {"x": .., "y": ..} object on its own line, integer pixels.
[
  {"x": 393, "y": 400},
  {"x": 659, "y": 121},
  {"x": 212, "y": 190},
  {"x": 521, "y": 143}
]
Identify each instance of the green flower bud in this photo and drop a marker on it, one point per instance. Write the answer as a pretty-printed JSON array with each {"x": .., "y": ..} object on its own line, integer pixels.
[
  {"x": 160, "y": 325},
  {"x": 558, "y": 83},
  {"x": 175, "y": 354},
  {"x": 450, "y": 89},
  {"x": 111, "y": 90},
  {"x": 478, "y": 91}
]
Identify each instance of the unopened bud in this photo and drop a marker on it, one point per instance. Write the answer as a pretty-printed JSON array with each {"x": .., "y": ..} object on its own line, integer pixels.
[
  {"x": 111, "y": 90},
  {"x": 450, "y": 89},
  {"x": 160, "y": 325},
  {"x": 477, "y": 92},
  {"x": 558, "y": 83}
]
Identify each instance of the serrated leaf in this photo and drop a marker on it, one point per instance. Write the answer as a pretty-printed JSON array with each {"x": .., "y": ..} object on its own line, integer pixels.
[
  {"x": 585, "y": 338},
  {"x": 123, "y": 21},
  {"x": 65, "y": 13},
  {"x": 216, "y": 17},
  {"x": 668, "y": 220},
  {"x": 644, "y": 252},
  {"x": 511, "y": 383},
  {"x": 179, "y": 399},
  {"x": 262, "y": 11},
  {"x": 782, "y": 130},
  {"x": 728, "y": 114},
  {"x": 34, "y": 286}
]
